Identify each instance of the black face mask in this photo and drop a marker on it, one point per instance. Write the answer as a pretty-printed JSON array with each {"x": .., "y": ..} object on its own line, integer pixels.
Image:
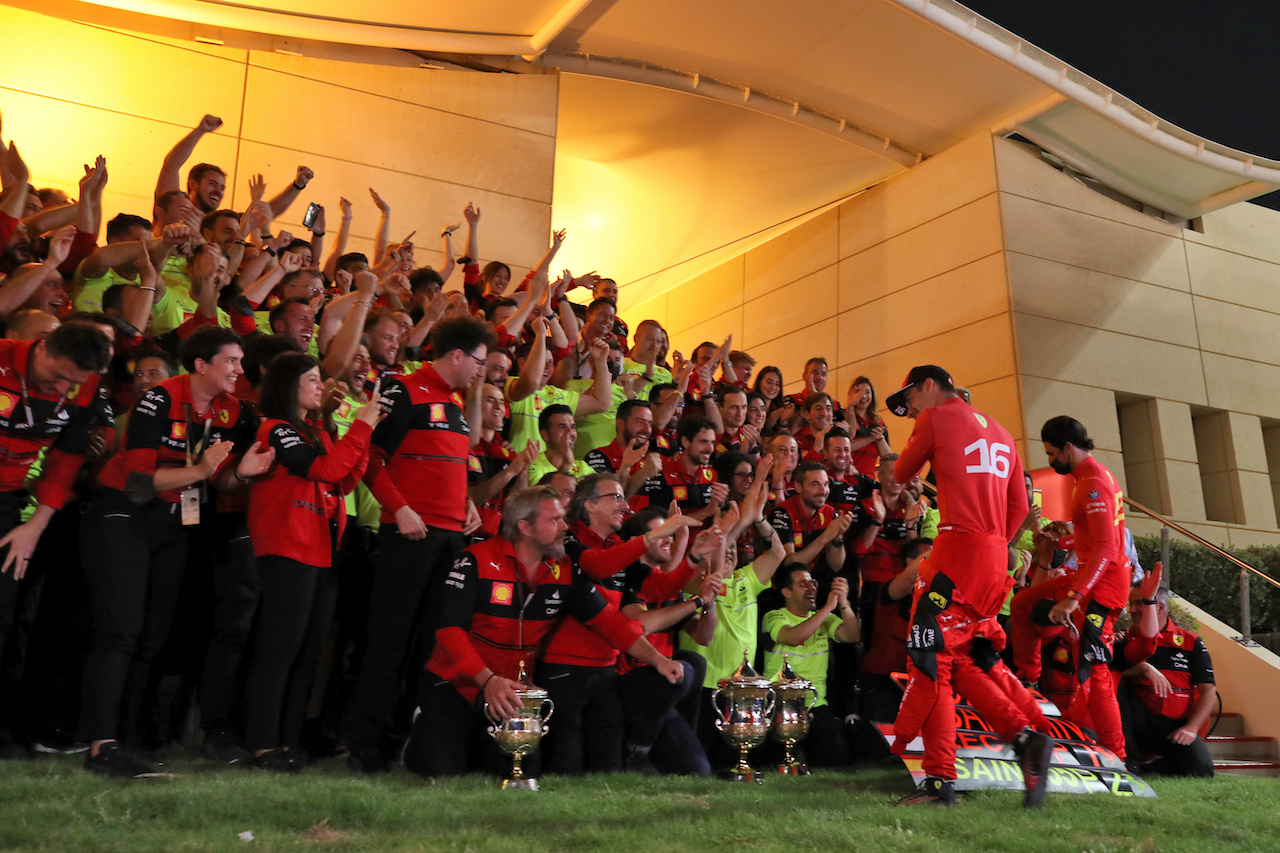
[
  {"x": 1060, "y": 467},
  {"x": 615, "y": 369}
]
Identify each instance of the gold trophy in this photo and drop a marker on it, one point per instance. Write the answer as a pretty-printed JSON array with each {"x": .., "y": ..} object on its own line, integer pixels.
[
  {"x": 744, "y": 720},
  {"x": 518, "y": 735},
  {"x": 791, "y": 716}
]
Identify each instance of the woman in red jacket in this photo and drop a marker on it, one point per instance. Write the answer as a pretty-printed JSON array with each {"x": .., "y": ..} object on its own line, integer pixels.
[{"x": 296, "y": 515}]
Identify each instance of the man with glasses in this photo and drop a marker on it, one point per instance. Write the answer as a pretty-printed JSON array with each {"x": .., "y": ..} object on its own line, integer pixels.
[{"x": 418, "y": 473}]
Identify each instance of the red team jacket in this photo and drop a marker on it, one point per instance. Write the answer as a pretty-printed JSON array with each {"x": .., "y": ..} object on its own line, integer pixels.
[
  {"x": 491, "y": 618},
  {"x": 31, "y": 421},
  {"x": 418, "y": 453},
  {"x": 1097, "y": 519},
  {"x": 292, "y": 508}
]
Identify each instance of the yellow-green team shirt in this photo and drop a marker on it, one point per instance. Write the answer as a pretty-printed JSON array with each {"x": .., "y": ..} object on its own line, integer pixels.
[
  {"x": 601, "y": 428},
  {"x": 541, "y": 466},
  {"x": 89, "y": 291},
  {"x": 661, "y": 376},
  {"x": 736, "y": 621},
  {"x": 524, "y": 413},
  {"x": 809, "y": 659},
  {"x": 360, "y": 502}
]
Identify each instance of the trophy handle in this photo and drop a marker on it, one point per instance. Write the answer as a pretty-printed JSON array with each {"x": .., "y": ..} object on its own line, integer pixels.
[
  {"x": 720, "y": 713},
  {"x": 773, "y": 701},
  {"x": 547, "y": 703}
]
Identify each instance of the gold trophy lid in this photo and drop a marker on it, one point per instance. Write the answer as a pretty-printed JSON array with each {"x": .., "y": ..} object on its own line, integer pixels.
[
  {"x": 788, "y": 680},
  {"x": 745, "y": 676},
  {"x": 527, "y": 690}
]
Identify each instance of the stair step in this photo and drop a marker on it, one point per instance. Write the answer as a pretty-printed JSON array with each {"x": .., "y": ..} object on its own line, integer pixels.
[
  {"x": 1243, "y": 747},
  {"x": 1246, "y": 768},
  {"x": 1229, "y": 724}
]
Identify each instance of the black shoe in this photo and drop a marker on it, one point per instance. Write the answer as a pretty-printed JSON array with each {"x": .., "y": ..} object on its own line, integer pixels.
[
  {"x": 277, "y": 761},
  {"x": 933, "y": 791},
  {"x": 638, "y": 762},
  {"x": 366, "y": 759},
  {"x": 221, "y": 746},
  {"x": 113, "y": 761},
  {"x": 1035, "y": 751}
]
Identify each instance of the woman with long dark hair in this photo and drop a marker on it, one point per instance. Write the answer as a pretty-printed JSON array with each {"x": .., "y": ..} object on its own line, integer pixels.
[
  {"x": 296, "y": 517},
  {"x": 869, "y": 436},
  {"x": 769, "y": 385}
]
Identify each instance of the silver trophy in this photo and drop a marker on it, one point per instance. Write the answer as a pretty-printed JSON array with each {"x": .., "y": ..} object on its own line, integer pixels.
[
  {"x": 743, "y": 721},
  {"x": 791, "y": 716},
  {"x": 519, "y": 734}
]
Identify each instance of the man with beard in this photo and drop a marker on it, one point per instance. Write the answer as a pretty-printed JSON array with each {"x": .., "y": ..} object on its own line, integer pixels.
[
  {"x": 686, "y": 479},
  {"x": 626, "y": 454},
  {"x": 1087, "y": 601},
  {"x": 807, "y": 525},
  {"x": 497, "y": 603},
  {"x": 804, "y": 633},
  {"x": 207, "y": 183}
]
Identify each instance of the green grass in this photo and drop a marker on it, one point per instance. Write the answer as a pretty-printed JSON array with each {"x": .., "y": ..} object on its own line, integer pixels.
[{"x": 53, "y": 805}]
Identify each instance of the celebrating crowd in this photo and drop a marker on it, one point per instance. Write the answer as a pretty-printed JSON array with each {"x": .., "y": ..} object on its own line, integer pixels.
[{"x": 324, "y": 503}]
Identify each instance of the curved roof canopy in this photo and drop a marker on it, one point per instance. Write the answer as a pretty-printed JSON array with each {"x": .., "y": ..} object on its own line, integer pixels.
[{"x": 689, "y": 132}]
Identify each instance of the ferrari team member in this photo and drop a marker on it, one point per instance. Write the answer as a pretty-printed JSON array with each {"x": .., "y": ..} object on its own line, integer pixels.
[
  {"x": 497, "y": 604},
  {"x": 954, "y": 637},
  {"x": 183, "y": 434},
  {"x": 418, "y": 473},
  {"x": 1087, "y": 601},
  {"x": 1168, "y": 691},
  {"x": 49, "y": 397}
]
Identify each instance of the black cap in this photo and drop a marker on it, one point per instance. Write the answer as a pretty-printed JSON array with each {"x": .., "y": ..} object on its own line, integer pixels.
[{"x": 897, "y": 401}]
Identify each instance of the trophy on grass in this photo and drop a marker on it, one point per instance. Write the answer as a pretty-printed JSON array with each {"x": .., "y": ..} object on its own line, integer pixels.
[
  {"x": 791, "y": 716},
  {"x": 744, "y": 719},
  {"x": 518, "y": 735}
]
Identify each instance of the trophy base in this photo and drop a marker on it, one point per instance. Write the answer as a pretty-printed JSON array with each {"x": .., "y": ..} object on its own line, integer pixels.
[
  {"x": 524, "y": 783},
  {"x": 796, "y": 769},
  {"x": 742, "y": 774}
]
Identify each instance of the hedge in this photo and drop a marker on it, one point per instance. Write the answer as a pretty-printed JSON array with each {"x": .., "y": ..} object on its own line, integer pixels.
[{"x": 1211, "y": 583}]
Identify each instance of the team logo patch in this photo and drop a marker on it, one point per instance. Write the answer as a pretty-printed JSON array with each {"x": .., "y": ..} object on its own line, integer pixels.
[
  {"x": 707, "y": 474},
  {"x": 1177, "y": 639},
  {"x": 224, "y": 416},
  {"x": 680, "y": 493},
  {"x": 502, "y": 593},
  {"x": 537, "y": 404},
  {"x": 473, "y": 463},
  {"x": 437, "y": 413},
  {"x": 663, "y": 443},
  {"x": 980, "y": 419},
  {"x": 7, "y": 403},
  {"x": 555, "y": 571},
  {"x": 73, "y": 391},
  {"x": 344, "y": 409},
  {"x": 799, "y": 541},
  {"x": 938, "y": 599},
  {"x": 1061, "y": 655},
  {"x": 178, "y": 432},
  {"x": 1095, "y": 619},
  {"x": 1094, "y": 495},
  {"x": 505, "y": 452},
  {"x": 371, "y": 376}
]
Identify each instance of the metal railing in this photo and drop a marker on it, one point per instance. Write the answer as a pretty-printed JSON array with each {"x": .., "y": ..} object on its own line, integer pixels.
[{"x": 1246, "y": 630}]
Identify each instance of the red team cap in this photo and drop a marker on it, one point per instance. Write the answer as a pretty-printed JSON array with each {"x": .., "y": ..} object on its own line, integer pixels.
[{"x": 897, "y": 401}]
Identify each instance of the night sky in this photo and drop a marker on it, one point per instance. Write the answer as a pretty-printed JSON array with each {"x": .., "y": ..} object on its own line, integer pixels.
[{"x": 1210, "y": 67}]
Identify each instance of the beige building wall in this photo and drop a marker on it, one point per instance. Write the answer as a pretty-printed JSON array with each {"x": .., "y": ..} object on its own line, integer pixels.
[
  {"x": 910, "y": 271},
  {"x": 1044, "y": 297},
  {"x": 428, "y": 141}
]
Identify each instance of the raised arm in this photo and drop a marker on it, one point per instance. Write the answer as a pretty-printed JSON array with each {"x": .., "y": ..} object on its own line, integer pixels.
[
  {"x": 17, "y": 288},
  {"x": 171, "y": 170},
  {"x": 384, "y": 227},
  {"x": 281, "y": 202},
  {"x": 472, "y": 214},
  {"x": 346, "y": 341},
  {"x": 339, "y": 242},
  {"x": 601, "y": 397},
  {"x": 530, "y": 378}
]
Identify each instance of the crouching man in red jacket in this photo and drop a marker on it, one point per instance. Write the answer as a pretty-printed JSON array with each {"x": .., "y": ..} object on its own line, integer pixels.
[{"x": 494, "y": 606}]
